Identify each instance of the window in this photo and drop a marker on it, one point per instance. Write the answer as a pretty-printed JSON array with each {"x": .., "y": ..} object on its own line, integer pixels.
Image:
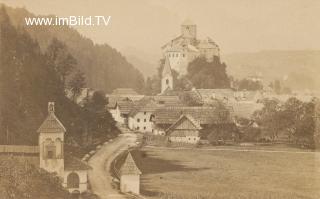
[
  {"x": 145, "y": 113},
  {"x": 144, "y": 128},
  {"x": 145, "y": 120},
  {"x": 169, "y": 55},
  {"x": 51, "y": 151},
  {"x": 138, "y": 128},
  {"x": 183, "y": 55},
  {"x": 167, "y": 81},
  {"x": 73, "y": 180},
  {"x": 138, "y": 120}
]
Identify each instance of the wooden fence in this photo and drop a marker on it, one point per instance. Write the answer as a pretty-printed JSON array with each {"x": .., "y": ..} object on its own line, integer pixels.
[{"x": 19, "y": 149}]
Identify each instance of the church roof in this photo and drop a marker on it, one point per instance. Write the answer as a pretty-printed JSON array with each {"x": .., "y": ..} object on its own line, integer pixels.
[
  {"x": 51, "y": 125},
  {"x": 187, "y": 22},
  {"x": 167, "y": 68},
  {"x": 129, "y": 167}
]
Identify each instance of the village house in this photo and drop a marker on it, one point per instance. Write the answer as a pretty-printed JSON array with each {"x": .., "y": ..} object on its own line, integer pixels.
[
  {"x": 182, "y": 123},
  {"x": 120, "y": 94},
  {"x": 140, "y": 116},
  {"x": 186, "y": 129},
  {"x": 52, "y": 157}
]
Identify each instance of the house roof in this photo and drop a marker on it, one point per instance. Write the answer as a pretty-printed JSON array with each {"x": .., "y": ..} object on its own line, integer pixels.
[
  {"x": 124, "y": 91},
  {"x": 204, "y": 115},
  {"x": 73, "y": 164},
  {"x": 182, "y": 118},
  {"x": 168, "y": 100},
  {"x": 129, "y": 167},
  {"x": 51, "y": 125},
  {"x": 126, "y": 106},
  {"x": 146, "y": 104}
]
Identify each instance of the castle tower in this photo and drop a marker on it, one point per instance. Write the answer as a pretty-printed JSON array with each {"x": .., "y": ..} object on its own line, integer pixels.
[
  {"x": 51, "y": 139},
  {"x": 166, "y": 78},
  {"x": 189, "y": 29}
]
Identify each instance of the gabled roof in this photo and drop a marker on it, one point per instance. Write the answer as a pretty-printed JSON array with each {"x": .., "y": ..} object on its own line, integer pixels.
[
  {"x": 182, "y": 118},
  {"x": 51, "y": 125},
  {"x": 73, "y": 164},
  {"x": 129, "y": 167},
  {"x": 146, "y": 104},
  {"x": 166, "y": 68}
]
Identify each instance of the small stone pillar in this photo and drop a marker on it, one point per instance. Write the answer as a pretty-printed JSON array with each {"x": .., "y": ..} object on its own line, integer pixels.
[{"x": 130, "y": 176}]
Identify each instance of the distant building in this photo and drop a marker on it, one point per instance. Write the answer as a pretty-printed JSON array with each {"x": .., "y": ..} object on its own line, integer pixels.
[
  {"x": 124, "y": 95},
  {"x": 52, "y": 158},
  {"x": 130, "y": 176},
  {"x": 185, "y": 48}
]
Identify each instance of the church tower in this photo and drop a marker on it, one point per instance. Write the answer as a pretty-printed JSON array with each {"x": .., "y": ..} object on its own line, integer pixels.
[
  {"x": 189, "y": 29},
  {"x": 166, "y": 78},
  {"x": 51, "y": 139}
]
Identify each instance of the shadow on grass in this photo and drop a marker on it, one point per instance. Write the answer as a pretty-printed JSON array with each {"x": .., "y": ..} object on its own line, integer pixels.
[{"x": 150, "y": 163}]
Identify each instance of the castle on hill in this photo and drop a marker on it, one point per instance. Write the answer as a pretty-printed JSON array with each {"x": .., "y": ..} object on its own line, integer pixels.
[{"x": 185, "y": 48}]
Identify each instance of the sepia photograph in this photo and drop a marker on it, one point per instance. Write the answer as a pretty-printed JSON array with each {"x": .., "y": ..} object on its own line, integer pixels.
[{"x": 159, "y": 99}]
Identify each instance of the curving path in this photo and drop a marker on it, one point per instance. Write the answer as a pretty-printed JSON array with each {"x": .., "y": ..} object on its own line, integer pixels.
[{"x": 100, "y": 177}]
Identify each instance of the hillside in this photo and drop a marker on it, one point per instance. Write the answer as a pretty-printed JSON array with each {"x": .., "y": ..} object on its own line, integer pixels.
[
  {"x": 104, "y": 67},
  {"x": 298, "y": 69}
]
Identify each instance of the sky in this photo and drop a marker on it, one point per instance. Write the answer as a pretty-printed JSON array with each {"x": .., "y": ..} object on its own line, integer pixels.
[{"x": 235, "y": 25}]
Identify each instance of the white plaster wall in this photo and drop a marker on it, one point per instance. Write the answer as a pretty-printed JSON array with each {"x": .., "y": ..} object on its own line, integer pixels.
[
  {"x": 187, "y": 139},
  {"x": 52, "y": 165},
  {"x": 83, "y": 177},
  {"x": 130, "y": 183},
  {"x": 144, "y": 122}
]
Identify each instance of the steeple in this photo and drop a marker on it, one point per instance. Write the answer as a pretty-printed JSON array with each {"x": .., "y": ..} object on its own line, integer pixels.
[
  {"x": 166, "y": 78},
  {"x": 166, "y": 68}
]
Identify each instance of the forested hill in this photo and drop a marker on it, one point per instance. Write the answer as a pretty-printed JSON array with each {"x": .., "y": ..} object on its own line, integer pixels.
[{"x": 104, "y": 67}]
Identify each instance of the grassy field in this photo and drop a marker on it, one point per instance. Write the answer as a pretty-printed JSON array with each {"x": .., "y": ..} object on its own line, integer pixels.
[{"x": 228, "y": 174}]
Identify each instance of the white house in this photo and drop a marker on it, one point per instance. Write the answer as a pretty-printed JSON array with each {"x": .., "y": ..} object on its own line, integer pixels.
[{"x": 140, "y": 117}]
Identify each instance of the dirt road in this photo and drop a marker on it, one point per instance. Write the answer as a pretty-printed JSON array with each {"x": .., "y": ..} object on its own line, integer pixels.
[{"x": 99, "y": 177}]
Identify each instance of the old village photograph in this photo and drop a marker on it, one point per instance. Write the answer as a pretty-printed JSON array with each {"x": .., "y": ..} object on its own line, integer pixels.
[{"x": 159, "y": 99}]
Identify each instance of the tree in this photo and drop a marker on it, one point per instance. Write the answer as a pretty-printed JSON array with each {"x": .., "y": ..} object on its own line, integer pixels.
[
  {"x": 249, "y": 85},
  {"x": 60, "y": 59},
  {"x": 205, "y": 74},
  {"x": 77, "y": 83},
  {"x": 270, "y": 118}
]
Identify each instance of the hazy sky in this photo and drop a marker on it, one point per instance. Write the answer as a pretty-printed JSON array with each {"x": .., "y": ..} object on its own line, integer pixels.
[{"x": 236, "y": 25}]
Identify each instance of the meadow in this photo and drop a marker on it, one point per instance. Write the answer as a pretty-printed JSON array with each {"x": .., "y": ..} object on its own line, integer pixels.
[{"x": 224, "y": 174}]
